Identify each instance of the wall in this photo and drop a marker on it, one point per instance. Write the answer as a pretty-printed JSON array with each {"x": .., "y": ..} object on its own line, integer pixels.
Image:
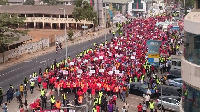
[
  {"x": 192, "y": 22},
  {"x": 190, "y": 73},
  {"x": 32, "y": 47}
]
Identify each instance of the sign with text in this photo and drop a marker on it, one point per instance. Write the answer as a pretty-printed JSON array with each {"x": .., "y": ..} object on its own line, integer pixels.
[
  {"x": 153, "y": 55},
  {"x": 153, "y": 46}
]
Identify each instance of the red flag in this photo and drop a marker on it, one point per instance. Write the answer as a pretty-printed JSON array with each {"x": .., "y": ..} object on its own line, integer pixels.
[{"x": 137, "y": 5}]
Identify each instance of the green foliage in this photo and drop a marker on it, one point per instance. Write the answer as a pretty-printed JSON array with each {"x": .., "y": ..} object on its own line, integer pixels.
[
  {"x": 8, "y": 27},
  {"x": 189, "y": 3},
  {"x": 70, "y": 34},
  {"x": 29, "y": 2},
  {"x": 50, "y": 2},
  {"x": 3, "y": 2},
  {"x": 83, "y": 11}
]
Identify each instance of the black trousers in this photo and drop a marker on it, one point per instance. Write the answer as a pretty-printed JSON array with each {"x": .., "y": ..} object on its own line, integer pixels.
[{"x": 44, "y": 105}]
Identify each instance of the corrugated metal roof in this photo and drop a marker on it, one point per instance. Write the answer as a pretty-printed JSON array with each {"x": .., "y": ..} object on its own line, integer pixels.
[
  {"x": 37, "y": 9},
  {"x": 116, "y": 1},
  {"x": 15, "y": 1}
]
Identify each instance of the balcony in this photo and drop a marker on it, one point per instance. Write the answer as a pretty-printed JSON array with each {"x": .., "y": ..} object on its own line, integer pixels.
[{"x": 55, "y": 20}]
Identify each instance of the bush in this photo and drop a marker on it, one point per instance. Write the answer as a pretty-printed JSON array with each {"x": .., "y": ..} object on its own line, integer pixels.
[{"x": 70, "y": 34}]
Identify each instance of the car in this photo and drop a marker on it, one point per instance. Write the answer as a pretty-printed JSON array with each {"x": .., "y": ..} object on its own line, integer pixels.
[
  {"x": 175, "y": 64},
  {"x": 168, "y": 91},
  {"x": 177, "y": 82},
  {"x": 173, "y": 76},
  {"x": 169, "y": 103},
  {"x": 138, "y": 88}
]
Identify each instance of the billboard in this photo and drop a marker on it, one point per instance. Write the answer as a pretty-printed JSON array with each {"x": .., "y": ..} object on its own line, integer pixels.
[
  {"x": 153, "y": 51},
  {"x": 153, "y": 46}
]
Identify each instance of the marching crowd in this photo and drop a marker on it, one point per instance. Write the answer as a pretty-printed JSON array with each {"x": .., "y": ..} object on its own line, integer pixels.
[{"x": 108, "y": 68}]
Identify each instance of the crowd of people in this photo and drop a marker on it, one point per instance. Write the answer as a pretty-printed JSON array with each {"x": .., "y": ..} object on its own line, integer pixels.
[{"x": 107, "y": 69}]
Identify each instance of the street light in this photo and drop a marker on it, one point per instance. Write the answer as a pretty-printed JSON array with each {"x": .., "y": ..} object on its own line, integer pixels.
[{"x": 65, "y": 32}]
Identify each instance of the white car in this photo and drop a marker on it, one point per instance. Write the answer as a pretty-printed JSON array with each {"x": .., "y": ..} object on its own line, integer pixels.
[{"x": 169, "y": 103}]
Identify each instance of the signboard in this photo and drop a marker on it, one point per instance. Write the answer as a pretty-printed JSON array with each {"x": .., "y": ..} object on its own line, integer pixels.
[
  {"x": 153, "y": 46},
  {"x": 153, "y": 55},
  {"x": 154, "y": 61},
  {"x": 84, "y": 26}
]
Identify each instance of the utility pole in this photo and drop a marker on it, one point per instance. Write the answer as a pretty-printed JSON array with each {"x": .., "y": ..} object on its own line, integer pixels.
[{"x": 65, "y": 32}]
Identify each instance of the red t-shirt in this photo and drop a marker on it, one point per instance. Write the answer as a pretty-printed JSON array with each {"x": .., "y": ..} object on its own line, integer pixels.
[{"x": 139, "y": 107}]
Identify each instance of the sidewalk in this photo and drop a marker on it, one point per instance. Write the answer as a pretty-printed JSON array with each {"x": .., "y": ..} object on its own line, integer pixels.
[{"x": 77, "y": 40}]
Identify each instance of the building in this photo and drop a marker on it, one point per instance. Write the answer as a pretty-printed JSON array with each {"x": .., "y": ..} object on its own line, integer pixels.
[
  {"x": 46, "y": 16},
  {"x": 190, "y": 62},
  {"x": 15, "y": 2},
  {"x": 136, "y": 7}
]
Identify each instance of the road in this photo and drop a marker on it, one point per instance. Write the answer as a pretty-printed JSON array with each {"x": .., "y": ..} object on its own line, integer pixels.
[{"x": 14, "y": 75}]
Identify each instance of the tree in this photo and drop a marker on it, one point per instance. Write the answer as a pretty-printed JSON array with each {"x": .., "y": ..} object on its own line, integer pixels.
[
  {"x": 29, "y": 2},
  {"x": 8, "y": 32},
  {"x": 84, "y": 11},
  {"x": 3, "y": 2},
  {"x": 70, "y": 34},
  {"x": 50, "y": 2},
  {"x": 189, "y": 3}
]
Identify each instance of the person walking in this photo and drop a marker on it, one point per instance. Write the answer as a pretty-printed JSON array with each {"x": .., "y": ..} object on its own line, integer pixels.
[
  {"x": 64, "y": 98},
  {"x": 32, "y": 84},
  {"x": 17, "y": 94},
  {"x": 52, "y": 101}
]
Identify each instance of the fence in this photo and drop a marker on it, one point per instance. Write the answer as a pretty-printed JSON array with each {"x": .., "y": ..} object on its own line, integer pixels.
[{"x": 35, "y": 46}]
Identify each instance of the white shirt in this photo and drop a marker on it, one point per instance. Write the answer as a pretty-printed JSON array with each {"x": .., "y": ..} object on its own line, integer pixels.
[{"x": 147, "y": 97}]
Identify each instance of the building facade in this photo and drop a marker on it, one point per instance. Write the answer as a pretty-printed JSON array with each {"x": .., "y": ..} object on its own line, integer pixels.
[
  {"x": 46, "y": 16},
  {"x": 190, "y": 62},
  {"x": 136, "y": 7}
]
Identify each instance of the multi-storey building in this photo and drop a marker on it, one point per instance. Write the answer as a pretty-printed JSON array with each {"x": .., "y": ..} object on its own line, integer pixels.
[
  {"x": 46, "y": 16},
  {"x": 190, "y": 64}
]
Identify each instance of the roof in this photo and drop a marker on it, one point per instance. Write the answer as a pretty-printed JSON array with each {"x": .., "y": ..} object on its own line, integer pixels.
[
  {"x": 15, "y": 1},
  {"x": 37, "y": 9},
  {"x": 116, "y": 1},
  {"x": 22, "y": 39}
]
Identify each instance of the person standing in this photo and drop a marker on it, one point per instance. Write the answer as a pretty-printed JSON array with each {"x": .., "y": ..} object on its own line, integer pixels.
[
  {"x": 139, "y": 107},
  {"x": 126, "y": 105},
  {"x": 5, "y": 108},
  {"x": 44, "y": 101},
  {"x": 17, "y": 94},
  {"x": 1, "y": 95},
  {"x": 151, "y": 105},
  {"x": 144, "y": 107},
  {"x": 21, "y": 89},
  {"x": 58, "y": 104}
]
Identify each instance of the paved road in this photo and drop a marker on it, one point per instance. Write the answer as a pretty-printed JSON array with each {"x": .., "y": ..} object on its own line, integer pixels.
[{"x": 14, "y": 75}]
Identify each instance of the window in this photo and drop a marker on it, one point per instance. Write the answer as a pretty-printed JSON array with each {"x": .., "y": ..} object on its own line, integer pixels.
[
  {"x": 174, "y": 101},
  {"x": 137, "y": 4},
  {"x": 167, "y": 100},
  {"x": 192, "y": 48},
  {"x": 198, "y": 4}
]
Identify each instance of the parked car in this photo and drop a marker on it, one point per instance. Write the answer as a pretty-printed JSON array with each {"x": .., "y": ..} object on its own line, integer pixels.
[
  {"x": 169, "y": 103},
  {"x": 175, "y": 64},
  {"x": 168, "y": 91},
  {"x": 173, "y": 76},
  {"x": 177, "y": 82},
  {"x": 138, "y": 88}
]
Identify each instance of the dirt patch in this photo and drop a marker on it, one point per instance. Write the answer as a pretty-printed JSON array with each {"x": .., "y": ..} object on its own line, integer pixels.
[{"x": 38, "y": 34}]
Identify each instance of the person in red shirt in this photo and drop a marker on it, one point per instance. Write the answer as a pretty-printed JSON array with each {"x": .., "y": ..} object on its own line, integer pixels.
[
  {"x": 39, "y": 81},
  {"x": 139, "y": 107}
]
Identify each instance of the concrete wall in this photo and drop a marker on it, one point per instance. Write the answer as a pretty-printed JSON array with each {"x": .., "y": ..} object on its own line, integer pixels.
[
  {"x": 32, "y": 47},
  {"x": 192, "y": 22},
  {"x": 190, "y": 73}
]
